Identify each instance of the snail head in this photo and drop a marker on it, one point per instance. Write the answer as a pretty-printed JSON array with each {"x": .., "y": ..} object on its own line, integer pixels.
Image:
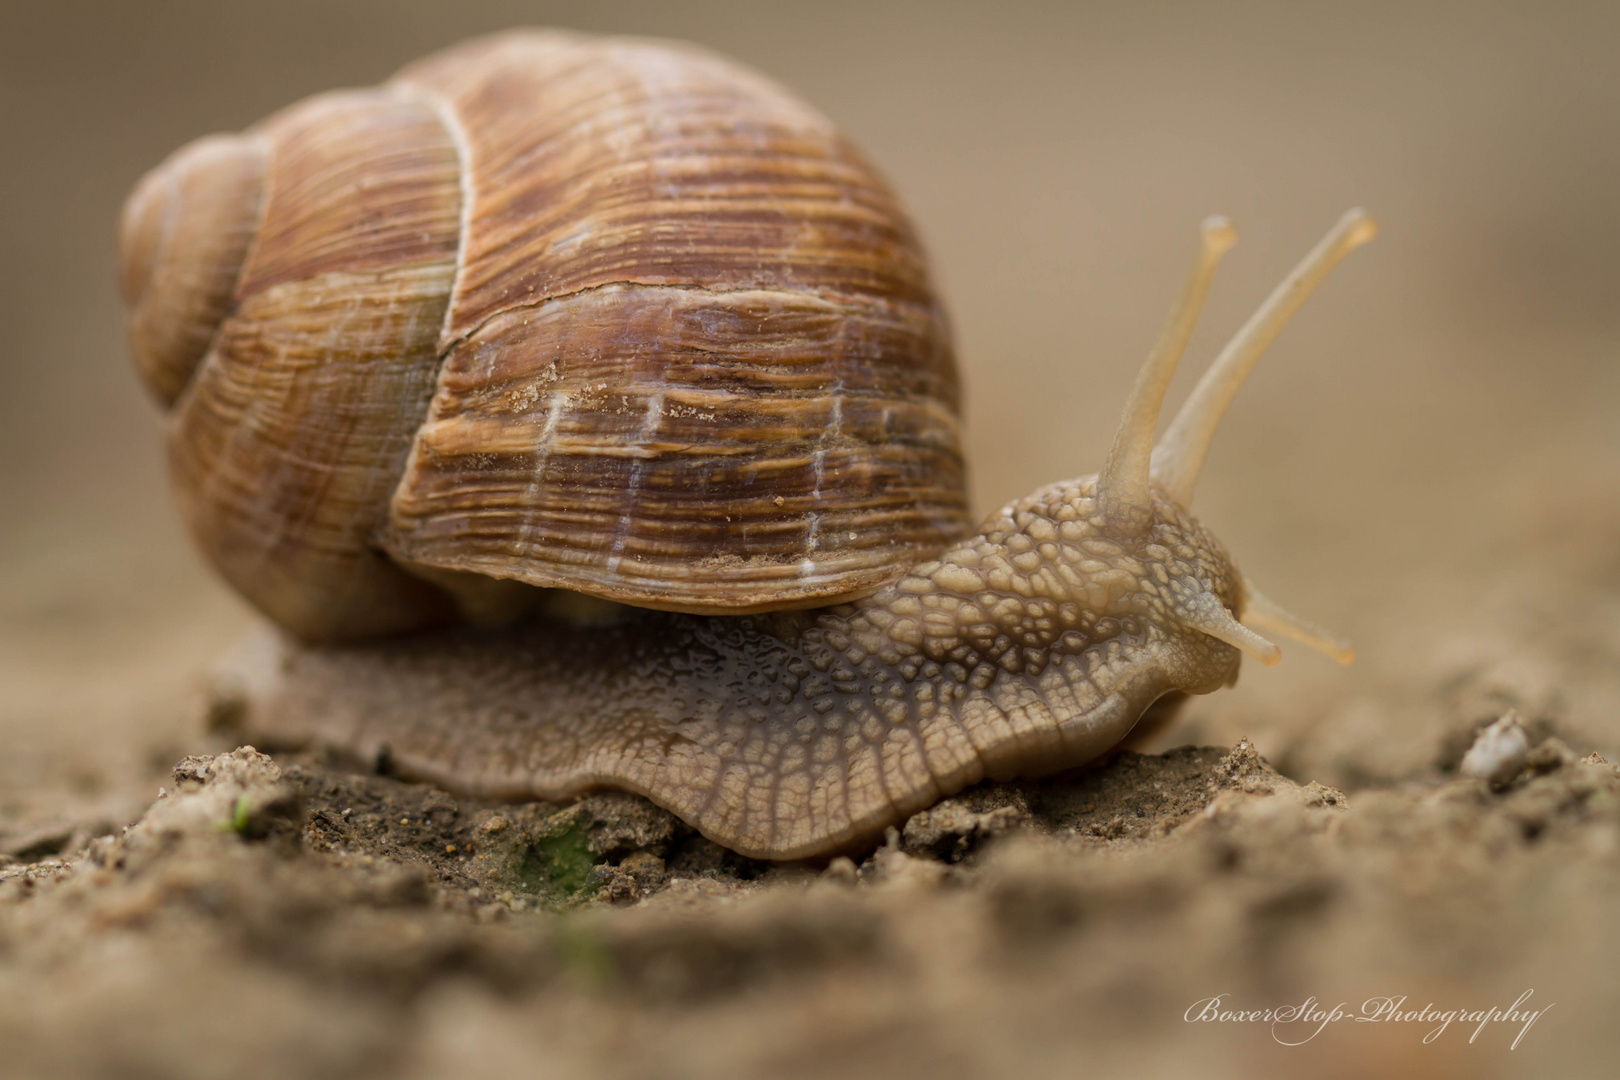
[{"x": 1123, "y": 546}]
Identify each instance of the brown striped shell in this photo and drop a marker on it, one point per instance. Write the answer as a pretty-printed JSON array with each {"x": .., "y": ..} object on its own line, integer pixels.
[{"x": 609, "y": 315}]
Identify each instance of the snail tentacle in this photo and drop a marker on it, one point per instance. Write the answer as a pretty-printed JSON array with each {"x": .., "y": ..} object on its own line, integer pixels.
[
  {"x": 1122, "y": 485},
  {"x": 1265, "y": 613},
  {"x": 1204, "y": 612},
  {"x": 1179, "y": 457}
]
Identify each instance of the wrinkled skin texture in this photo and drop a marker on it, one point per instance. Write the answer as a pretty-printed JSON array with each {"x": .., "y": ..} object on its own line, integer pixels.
[{"x": 1030, "y": 648}]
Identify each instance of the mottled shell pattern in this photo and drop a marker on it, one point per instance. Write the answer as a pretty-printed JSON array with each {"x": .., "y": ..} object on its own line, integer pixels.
[{"x": 611, "y": 315}]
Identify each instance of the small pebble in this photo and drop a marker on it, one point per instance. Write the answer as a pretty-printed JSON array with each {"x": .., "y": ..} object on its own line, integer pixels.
[
  {"x": 842, "y": 870},
  {"x": 1499, "y": 752}
]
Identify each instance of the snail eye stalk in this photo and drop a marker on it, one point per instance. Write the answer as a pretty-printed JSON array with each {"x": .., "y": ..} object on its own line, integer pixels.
[
  {"x": 1122, "y": 486},
  {"x": 1135, "y": 465},
  {"x": 1179, "y": 456}
]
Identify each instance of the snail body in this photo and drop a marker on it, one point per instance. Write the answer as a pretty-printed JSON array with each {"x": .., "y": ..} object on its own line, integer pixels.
[
  {"x": 620, "y": 318},
  {"x": 794, "y": 733}
]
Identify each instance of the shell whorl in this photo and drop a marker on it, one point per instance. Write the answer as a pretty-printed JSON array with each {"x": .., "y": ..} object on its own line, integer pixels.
[
  {"x": 182, "y": 239},
  {"x": 603, "y": 314},
  {"x": 288, "y": 445}
]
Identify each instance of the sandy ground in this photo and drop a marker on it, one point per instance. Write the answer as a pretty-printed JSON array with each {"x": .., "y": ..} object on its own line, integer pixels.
[{"x": 1427, "y": 462}]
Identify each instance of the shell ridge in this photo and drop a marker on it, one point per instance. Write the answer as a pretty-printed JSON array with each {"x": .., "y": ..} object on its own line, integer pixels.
[
  {"x": 299, "y": 537},
  {"x": 456, "y": 133},
  {"x": 266, "y": 149},
  {"x": 833, "y": 429},
  {"x": 454, "y": 130},
  {"x": 833, "y": 297}
]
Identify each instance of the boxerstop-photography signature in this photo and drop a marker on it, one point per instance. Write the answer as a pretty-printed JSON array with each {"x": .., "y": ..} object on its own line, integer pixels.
[{"x": 1295, "y": 1025}]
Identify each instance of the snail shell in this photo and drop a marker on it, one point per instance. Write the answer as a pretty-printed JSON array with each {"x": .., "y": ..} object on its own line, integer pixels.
[{"x": 609, "y": 315}]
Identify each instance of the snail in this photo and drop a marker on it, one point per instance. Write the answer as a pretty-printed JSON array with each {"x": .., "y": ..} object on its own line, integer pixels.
[{"x": 580, "y": 410}]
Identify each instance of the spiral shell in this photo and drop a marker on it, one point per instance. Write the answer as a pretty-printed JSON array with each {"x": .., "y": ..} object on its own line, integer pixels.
[{"x": 609, "y": 315}]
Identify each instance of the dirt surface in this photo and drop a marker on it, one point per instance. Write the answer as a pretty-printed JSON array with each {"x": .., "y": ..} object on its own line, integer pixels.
[
  {"x": 1426, "y": 461},
  {"x": 299, "y": 919}
]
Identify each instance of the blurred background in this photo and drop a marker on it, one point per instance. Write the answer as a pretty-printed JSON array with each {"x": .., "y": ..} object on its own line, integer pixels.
[{"x": 1437, "y": 426}]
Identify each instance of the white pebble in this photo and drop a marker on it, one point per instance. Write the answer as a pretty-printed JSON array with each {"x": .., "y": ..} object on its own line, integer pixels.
[{"x": 1499, "y": 751}]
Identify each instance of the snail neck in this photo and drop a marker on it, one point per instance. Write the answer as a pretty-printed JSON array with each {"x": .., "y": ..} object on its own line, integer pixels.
[{"x": 1046, "y": 582}]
